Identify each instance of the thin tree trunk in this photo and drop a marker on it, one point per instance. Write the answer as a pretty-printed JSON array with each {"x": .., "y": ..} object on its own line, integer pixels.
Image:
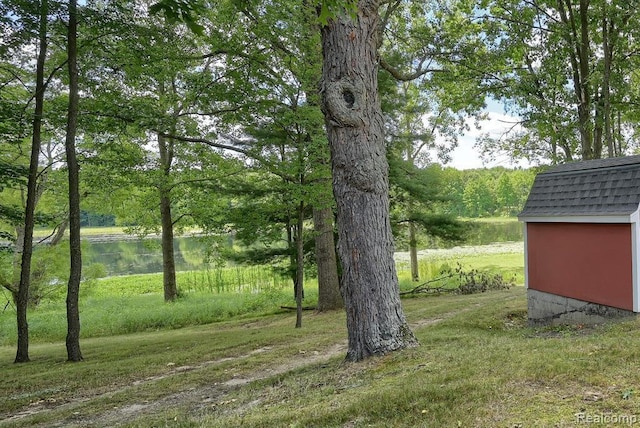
[
  {"x": 598, "y": 122},
  {"x": 329, "y": 296},
  {"x": 606, "y": 80},
  {"x": 75, "y": 274},
  {"x": 292, "y": 254},
  {"x": 17, "y": 259},
  {"x": 579, "y": 42},
  {"x": 168, "y": 257},
  {"x": 413, "y": 252},
  {"x": 22, "y": 353},
  {"x": 14, "y": 286},
  {"x": 299, "y": 264},
  {"x": 619, "y": 134},
  {"x": 375, "y": 319},
  {"x": 586, "y": 125},
  {"x": 62, "y": 228}
]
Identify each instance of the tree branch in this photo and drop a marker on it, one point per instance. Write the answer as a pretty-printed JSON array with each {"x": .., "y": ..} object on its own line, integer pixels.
[
  {"x": 405, "y": 77},
  {"x": 10, "y": 287},
  {"x": 425, "y": 288},
  {"x": 271, "y": 166},
  {"x": 202, "y": 180}
]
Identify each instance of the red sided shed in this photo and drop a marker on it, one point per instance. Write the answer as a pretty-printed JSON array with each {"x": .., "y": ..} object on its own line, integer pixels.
[{"x": 581, "y": 241}]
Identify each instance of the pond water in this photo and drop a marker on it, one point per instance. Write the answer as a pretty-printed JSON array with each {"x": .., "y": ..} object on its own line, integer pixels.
[{"x": 134, "y": 256}]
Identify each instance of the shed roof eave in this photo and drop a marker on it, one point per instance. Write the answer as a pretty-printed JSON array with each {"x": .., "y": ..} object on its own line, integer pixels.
[{"x": 603, "y": 218}]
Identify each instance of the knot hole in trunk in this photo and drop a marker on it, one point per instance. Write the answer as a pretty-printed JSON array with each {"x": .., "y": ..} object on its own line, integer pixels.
[
  {"x": 349, "y": 98},
  {"x": 344, "y": 101}
]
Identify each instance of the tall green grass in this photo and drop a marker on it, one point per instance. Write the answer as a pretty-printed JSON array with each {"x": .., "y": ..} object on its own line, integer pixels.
[
  {"x": 127, "y": 313},
  {"x": 127, "y": 304},
  {"x": 240, "y": 279}
]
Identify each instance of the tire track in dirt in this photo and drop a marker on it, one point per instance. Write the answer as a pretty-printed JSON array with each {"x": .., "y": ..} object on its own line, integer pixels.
[{"x": 198, "y": 399}]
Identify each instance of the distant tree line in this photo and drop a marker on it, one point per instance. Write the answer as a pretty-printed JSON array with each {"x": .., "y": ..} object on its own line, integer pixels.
[
  {"x": 491, "y": 192},
  {"x": 89, "y": 219}
]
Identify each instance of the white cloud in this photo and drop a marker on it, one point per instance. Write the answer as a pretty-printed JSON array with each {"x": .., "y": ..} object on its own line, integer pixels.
[{"x": 467, "y": 156}]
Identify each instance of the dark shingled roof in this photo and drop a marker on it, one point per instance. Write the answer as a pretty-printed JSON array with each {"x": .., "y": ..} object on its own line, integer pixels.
[{"x": 591, "y": 188}]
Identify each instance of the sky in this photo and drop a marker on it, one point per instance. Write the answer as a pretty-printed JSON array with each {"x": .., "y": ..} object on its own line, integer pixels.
[{"x": 466, "y": 156}]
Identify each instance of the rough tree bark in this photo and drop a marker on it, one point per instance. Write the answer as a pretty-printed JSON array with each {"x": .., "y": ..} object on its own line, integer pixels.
[
  {"x": 375, "y": 319},
  {"x": 22, "y": 301},
  {"x": 75, "y": 273},
  {"x": 329, "y": 296}
]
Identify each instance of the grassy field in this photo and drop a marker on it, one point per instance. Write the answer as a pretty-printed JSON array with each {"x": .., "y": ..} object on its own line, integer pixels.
[
  {"x": 224, "y": 357},
  {"x": 134, "y": 303},
  {"x": 86, "y": 231},
  {"x": 478, "y": 366}
]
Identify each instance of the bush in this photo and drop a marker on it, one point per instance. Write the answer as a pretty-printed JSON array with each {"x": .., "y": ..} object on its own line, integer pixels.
[{"x": 95, "y": 271}]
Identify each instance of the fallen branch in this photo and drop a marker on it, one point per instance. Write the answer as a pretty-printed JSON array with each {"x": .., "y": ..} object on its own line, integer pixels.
[
  {"x": 304, "y": 308},
  {"x": 473, "y": 281},
  {"x": 425, "y": 288}
]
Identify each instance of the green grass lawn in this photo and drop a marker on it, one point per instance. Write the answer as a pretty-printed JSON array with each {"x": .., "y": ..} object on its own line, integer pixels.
[
  {"x": 221, "y": 358},
  {"x": 478, "y": 365}
]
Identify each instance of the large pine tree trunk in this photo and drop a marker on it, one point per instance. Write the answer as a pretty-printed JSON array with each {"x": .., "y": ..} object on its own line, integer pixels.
[
  {"x": 329, "y": 296},
  {"x": 22, "y": 301},
  {"x": 375, "y": 320},
  {"x": 75, "y": 274}
]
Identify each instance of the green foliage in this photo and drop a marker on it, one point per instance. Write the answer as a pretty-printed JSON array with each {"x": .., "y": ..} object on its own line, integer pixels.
[
  {"x": 331, "y": 9},
  {"x": 441, "y": 226},
  {"x": 234, "y": 279},
  {"x": 49, "y": 273},
  {"x": 94, "y": 271},
  {"x": 126, "y": 304},
  {"x": 186, "y": 11},
  {"x": 572, "y": 100},
  {"x": 486, "y": 192},
  {"x": 478, "y": 198},
  {"x": 417, "y": 198},
  {"x": 90, "y": 219},
  {"x": 11, "y": 174},
  {"x": 438, "y": 271}
]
